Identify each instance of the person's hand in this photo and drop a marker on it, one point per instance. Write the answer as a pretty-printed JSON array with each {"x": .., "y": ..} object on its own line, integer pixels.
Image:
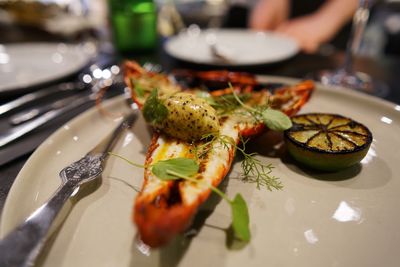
[
  {"x": 268, "y": 14},
  {"x": 308, "y": 32}
]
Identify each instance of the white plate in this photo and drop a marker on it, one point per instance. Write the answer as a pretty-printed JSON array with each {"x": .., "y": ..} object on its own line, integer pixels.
[
  {"x": 30, "y": 64},
  {"x": 349, "y": 218},
  {"x": 242, "y": 47}
]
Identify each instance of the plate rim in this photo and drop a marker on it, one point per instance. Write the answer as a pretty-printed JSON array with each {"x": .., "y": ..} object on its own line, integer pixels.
[{"x": 77, "y": 50}]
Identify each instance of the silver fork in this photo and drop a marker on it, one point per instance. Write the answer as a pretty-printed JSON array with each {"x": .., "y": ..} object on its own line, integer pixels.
[
  {"x": 21, "y": 247},
  {"x": 219, "y": 53}
]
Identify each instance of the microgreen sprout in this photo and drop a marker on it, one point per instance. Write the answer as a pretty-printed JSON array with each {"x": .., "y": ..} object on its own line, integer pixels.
[{"x": 274, "y": 119}]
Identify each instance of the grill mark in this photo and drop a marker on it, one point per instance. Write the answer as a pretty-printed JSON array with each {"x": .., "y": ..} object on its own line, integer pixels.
[
  {"x": 328, "y": 137},
  {"x": 174, "y": 196},
  {"x": 311, "y": 121},
  {"x": 330, "y": 122}
]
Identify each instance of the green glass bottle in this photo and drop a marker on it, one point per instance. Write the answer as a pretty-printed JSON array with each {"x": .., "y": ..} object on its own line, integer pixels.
[{"x": 133, "y": 25}]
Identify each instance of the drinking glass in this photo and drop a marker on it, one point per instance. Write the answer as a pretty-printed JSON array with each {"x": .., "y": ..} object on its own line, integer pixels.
[
  {"x": 345, "y": 75},
  {"x": 133, "y": 25}
]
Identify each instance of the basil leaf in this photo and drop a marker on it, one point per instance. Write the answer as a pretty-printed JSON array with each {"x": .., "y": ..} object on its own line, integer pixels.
[
  {"x": 240, "y": 218},
  {"x": 166, "y": 169},
  {"x": 276, "y": 120},
  {"x": 154, "y": 110}
]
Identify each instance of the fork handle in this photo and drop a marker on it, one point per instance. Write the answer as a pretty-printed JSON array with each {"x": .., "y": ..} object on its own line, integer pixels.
[{"x": 21, "y": 247}]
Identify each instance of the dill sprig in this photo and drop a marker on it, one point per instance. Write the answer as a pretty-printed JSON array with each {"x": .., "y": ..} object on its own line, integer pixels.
[
  {"x": 208, "y": 142},
  {"x": 226, "y": 104},
  {"x": 253, "y": 170}
]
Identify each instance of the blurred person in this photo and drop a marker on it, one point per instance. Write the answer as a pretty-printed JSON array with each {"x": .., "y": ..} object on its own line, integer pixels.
[{"x": 310, "y": 23}]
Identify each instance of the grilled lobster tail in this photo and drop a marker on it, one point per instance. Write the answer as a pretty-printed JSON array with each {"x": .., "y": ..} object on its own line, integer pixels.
[{"x": 164, "y": 209}]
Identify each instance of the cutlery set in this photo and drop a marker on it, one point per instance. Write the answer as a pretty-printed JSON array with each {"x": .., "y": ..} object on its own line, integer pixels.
[
  {"x": 22, "y": 246},
  {"x": 84, "y": 91}
]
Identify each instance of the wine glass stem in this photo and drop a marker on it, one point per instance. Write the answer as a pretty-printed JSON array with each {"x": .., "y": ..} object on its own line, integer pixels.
[{"x": 360, "y": 19}]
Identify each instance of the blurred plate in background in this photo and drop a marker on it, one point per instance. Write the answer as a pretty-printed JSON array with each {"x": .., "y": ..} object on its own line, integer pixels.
[
  {"x": 237, "y": 47},
  {"x": 30, "y": 64}
]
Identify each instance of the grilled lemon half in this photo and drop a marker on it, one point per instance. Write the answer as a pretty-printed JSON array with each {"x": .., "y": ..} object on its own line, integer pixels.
[{"x": 327, "y": 142}]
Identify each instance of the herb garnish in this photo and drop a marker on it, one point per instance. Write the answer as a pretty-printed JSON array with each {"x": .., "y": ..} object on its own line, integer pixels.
[
  {"x": 254, "y": 171},
  {"x": 154, "y": 111},
  {"x": 139, "y": 90},
  {"x": 173, "y": 169},
  {"x": 226, "y": 104},
  {"x": 185, "y": 168},
  {"x": 274, "y": 119}
]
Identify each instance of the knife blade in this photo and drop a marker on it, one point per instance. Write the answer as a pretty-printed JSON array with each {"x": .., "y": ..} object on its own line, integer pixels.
[{"x": 21, "y": 130}]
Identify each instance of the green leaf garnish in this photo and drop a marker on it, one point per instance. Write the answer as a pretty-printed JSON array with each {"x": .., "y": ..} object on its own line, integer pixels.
[
  {"x": 154, "y": 111},
  {"x": 240, "y": 214},
  {"x": 240, "y": 218},
  {"x": 138, "y": 89},
  {"x": 176, "y": 168},
  {"x": 276, "y": 120}
]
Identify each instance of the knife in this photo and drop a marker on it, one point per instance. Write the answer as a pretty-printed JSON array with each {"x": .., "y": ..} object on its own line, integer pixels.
[
  {"x": 16, "y": 103},
  {"x": 20, "y": 130}
]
